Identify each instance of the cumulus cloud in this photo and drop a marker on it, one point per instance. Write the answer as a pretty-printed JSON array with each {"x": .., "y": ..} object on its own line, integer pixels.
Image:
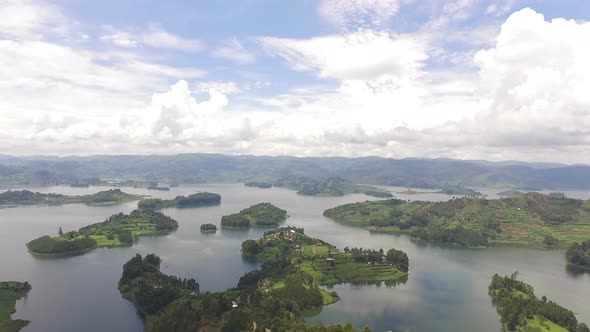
[
  {"x": 23, "y": 18},
  {"x": 354, "y": 14}
]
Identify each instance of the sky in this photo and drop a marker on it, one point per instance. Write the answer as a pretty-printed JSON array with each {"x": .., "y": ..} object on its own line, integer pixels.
[{"x": 466, "y": 79}]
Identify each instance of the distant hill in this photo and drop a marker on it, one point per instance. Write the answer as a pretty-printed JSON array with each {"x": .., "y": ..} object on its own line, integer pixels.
[{"x": 200, "y": 168}]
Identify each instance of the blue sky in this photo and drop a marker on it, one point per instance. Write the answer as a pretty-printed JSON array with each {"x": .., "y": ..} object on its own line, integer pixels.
[{"x": 468, "y": 79}]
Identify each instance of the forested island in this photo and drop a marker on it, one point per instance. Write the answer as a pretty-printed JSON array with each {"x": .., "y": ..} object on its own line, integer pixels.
[
  {"x": 258, "y": 184},
  {"x": 579, "y": 254},
  {"x": 521, "y": 310},
  {"x": 529, "y": 219},
  {"x": 193, "y": 200},
  {"x": 208, "y": 228},
  {"x": 333, "y": 186},
  {"x": 261, "y": 214},
  {"x": 118, "y": 230},
  {"x": 510, "y": 193},
  {"x": 10, "y": 292},
  {"x": 106, "y": 197},
  {"x": 271, "y": 298}
]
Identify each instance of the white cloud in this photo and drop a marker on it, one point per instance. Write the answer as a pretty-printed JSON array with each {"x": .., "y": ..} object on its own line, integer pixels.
[
  {"x": 223, "y": 87},
  {"x": 234, "y": 51},
  {"x": 362, "y": 55},
  {"x": 22, "y": 18},
  {"x": 153, "y": 36},
  {"x": 354, "y": 14}
]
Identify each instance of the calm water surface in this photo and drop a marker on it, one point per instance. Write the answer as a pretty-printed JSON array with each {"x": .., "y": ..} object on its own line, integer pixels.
[{"x": 446, "y": 290}]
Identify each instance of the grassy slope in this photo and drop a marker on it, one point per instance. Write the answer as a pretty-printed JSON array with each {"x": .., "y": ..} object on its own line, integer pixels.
[
  {"x": 544, "y": 325},
  {"x": 345, "y": 270},
  {"x": 10, "y": 292},
  {"x": 519, "y": 224}
]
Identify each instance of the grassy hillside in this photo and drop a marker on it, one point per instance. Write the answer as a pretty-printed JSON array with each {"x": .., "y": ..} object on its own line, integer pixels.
[
  {"x": 10, "y": 292},
  {"x": 520, "y": 220},
  {"x": 118, "y": 230}
]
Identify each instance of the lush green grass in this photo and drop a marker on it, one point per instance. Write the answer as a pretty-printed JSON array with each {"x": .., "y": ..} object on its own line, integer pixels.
[
  {"x": 10, "y": 292},
  {"x": 328, "y": 298},
  {"x": 522, "y": 220},
  {"x": 544, "y": 325}
]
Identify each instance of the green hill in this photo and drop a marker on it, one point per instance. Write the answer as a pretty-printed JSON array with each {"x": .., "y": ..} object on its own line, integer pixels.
[
  {"x": 521, "y": 220},
  {"x": 261, "y": 214}
]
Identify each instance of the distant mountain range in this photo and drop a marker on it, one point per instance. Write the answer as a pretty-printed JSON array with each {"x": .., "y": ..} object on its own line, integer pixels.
[{"x": 201, "y": 168}]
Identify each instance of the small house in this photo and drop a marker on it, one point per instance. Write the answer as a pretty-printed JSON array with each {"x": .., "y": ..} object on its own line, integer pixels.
[{"x": 331, "y": 261}]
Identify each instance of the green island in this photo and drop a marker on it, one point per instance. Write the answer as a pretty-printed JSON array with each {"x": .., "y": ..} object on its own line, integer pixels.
[
  {"x": 272, "y": 298},
  {"x": 578, "y": 254},
  {"x": 448, "y": 190},
  {"x": 258, "y": 184},
  {"x": 531, "y": 219},
  {"x": 106, "y": 197},
  {"x": 261, "y": 214},
  {"x": 10, "y": 292},
  {"x": 208, "y": 228},
  {"x": 333, "y": 186},
  {"x": 521, "y": 310},
  {"x": 510, "y": 193},
  {"x": 193, "y": 200},
  {"x": 118, "y": 230}
]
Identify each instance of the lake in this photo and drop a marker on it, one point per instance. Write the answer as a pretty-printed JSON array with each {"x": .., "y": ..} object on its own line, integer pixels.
[{"x": 446, "y": 289}]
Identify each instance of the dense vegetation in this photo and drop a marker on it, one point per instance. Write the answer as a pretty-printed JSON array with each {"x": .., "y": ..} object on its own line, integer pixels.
[
  {"x": 208, "y": 228},
  {"x": 198, "y": 168},
  {"x": 457, "y": 235},
  {"x": 117, "y": 230},
  {"x": 10, "y": 292},
  {"x": 521, "y": 310},
  {"x": 528, "y": 219},
  {"x": 332, "y": 186},
  {"x": 193, "y": 200},
  {"x": 579, "y": 254},
  {"x": 168, "y": 303},
  {"x": 258, "y": 184},
  {"x": 106, "y": 197},
  {"x": 261, "y": 214}
]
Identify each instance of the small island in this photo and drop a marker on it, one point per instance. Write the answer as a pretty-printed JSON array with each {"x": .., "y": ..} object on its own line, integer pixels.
[
  {"x": 578, "y": 254},
  {"x": 531, "y": 219},
  {"x": 193, "y": 200},
  {"x": 258, "y": 184},
  {"x": 208, "y": 228},
  {"x": 10, "y": 292},
  {"x": 261, "y": 214},
  {"x": 118, "y": 230},
  {"x": 287, "y": 284},
  {"x": 106, "y": 197},
  {"x": 521, "y": 310}
]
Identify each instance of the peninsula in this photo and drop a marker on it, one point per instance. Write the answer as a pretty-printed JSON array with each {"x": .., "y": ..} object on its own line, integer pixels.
[
  {"x": 521, "y": 310},
  {"x": 106, "y": 197},
  {"x": 579, "y": 254},
  {"x": 193, "y": 200},
  {"x": 118, "y": 230},
  {"x": 10, "y": 292},
  {"x": 261, "y": 214},
  {"x": 531, "y": 219},
  {"x": 284, "y": 287},
  {"x": 333, "y": 186}
]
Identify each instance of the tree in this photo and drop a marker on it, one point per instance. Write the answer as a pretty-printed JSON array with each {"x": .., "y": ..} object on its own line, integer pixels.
[
  {"x": 550, "y": 241},
  {"x": 60, "y": 232}
]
